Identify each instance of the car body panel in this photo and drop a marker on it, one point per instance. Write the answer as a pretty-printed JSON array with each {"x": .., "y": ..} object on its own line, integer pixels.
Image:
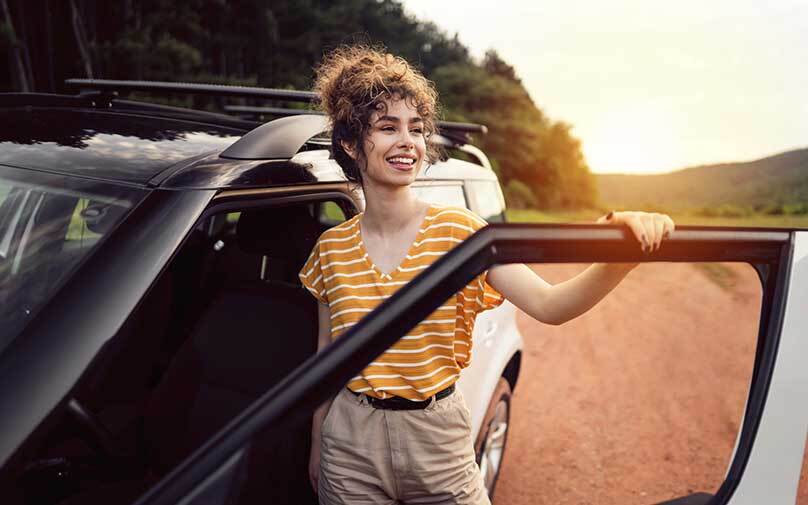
[
  {"x": 497, "y": 340},
  {"x": 772, "y": 473}
]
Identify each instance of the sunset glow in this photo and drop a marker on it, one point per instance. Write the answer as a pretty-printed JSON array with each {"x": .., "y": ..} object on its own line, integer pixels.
[
  {"x": 652, "y": 86},
  {"x": 633, "y": 139}
]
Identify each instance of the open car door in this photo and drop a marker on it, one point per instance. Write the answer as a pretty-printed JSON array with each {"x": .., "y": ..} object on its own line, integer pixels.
[{"x": 766, "y": 464}]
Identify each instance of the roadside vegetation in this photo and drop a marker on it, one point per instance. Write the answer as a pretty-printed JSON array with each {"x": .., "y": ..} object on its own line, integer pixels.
[
  {"x": 695, "y": 217},
  {"x": 276, "y": 44}
]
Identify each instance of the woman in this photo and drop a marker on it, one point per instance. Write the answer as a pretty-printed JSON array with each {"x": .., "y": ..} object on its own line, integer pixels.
[{"x": 399, "y": 431}]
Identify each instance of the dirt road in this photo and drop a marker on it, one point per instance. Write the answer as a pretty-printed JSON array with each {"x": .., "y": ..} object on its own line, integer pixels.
[{"x": 640, "y": 400}]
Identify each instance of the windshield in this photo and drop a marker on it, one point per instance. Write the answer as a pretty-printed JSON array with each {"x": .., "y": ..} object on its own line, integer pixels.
[{"x": 48, "y": 225}]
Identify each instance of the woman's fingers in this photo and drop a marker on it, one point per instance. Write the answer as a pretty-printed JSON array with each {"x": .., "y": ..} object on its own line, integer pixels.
[
  {"x": 659, "y": 228},
  {"x": 650, "y": 229},
  {"x": 633, "y": 221},
  {"x": 670, "y": 226}
]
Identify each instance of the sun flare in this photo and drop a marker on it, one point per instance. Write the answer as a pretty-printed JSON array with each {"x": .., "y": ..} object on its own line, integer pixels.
[{"x": 632, "y": 139}]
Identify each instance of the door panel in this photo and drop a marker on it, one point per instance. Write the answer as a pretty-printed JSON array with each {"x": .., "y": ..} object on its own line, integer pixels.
[
  {"x": 772, "y": 472},
  {"x": 771, "y": 251}
]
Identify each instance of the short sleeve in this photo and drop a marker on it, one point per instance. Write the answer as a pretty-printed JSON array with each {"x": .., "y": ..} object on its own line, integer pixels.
[
  {"x": 485, "y": 295},
  {"x": 311, "y": 275}
]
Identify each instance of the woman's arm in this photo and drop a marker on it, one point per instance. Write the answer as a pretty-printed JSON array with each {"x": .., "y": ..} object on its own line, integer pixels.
[
  {"x": 323, "y": 339},
  {"x": 557, "y": 304}
]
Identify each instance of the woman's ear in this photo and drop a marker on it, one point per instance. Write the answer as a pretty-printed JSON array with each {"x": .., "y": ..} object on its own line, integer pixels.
[{"x": 349, "y": 148}]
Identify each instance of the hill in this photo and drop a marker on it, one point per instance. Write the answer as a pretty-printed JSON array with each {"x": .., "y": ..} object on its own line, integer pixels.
[{"x": 781, "y": 179}]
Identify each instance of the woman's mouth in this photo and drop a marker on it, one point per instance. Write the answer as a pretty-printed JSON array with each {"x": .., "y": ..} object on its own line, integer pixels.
[{"x": 403, "y": 163}]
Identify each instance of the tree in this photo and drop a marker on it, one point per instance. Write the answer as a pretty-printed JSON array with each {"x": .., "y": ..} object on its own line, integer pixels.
[{"x": 278, "y": 43}]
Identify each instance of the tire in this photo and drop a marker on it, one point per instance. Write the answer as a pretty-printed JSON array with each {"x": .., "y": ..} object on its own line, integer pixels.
[{"x": 490, "y": 445}]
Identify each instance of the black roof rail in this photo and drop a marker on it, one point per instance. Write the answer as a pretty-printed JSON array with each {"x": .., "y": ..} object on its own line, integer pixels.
[
  {"x": 287, "y": 95},
  {"x": 15, "y": 99},
  {"x": 253, "y": 111},
  {"x": 112, "y": 86}
]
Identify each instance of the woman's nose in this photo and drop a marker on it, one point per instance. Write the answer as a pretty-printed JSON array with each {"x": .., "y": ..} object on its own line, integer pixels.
[{"x": 407, "y": 139}]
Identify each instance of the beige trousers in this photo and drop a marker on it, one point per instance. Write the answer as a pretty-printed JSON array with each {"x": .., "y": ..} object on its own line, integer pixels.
[{"x": 374, "y": 456}]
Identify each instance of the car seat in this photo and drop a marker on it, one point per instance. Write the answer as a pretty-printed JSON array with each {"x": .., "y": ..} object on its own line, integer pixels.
[{"x": 251, "y": 335}]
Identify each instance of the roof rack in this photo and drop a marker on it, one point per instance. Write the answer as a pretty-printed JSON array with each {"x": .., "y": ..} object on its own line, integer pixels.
[
  {"x": 287, "y": 137},
  {"x": 112, "y": 87},
  {"x": 115, "y": 86}
]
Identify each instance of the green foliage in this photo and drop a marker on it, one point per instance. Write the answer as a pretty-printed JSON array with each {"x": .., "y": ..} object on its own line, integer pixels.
[
  {"x": 526, "y": 145},
  {"x": 719, "y": 274},
  {"x": 725, "y": 210},
  {"x": 773, "y": 210},
  {"x": 519, "y": 196},
  {"x": 795, "y": 209}
]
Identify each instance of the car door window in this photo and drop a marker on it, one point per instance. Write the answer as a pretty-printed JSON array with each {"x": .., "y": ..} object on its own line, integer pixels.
[
  {"x": 488, "y": 200},
  {"x": 443, "y": 194}
]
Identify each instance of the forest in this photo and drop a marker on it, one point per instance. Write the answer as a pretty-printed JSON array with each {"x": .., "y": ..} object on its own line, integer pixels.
[{"x": 276, "y": 44}]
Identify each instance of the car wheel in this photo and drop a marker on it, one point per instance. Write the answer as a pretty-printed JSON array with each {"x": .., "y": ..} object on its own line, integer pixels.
[{"x": 493, "y": 434}]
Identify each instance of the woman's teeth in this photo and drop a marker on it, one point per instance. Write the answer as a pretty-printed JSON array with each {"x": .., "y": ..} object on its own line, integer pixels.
[{"x": 408, "y": 161}]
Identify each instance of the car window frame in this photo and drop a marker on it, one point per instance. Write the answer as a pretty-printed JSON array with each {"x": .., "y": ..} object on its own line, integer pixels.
[{"x": 769, "y": 251}]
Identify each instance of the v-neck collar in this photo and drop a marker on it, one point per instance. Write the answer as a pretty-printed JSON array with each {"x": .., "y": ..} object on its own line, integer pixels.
[{"x": 390, "y": 276}]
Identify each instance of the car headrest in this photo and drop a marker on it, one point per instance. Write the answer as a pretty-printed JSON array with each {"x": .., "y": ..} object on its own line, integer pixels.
[
  {"x": 101, "y": 217},
  {"x": 278, "y": 232}
]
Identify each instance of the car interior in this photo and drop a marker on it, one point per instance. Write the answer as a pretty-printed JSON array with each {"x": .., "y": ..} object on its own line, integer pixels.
[{"x": 225, "y": 321}]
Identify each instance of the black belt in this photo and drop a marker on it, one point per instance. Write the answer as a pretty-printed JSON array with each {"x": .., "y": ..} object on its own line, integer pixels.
[{"x": 398, "y": 403}]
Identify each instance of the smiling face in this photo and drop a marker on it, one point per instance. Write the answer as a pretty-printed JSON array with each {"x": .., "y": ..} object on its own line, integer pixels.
[{"x": 394, "y": 146}]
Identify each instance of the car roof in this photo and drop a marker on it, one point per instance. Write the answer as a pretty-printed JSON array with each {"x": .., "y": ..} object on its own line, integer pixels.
[
  {"x": 109, "y": 145},
  {"x": 165, "y": 147}
]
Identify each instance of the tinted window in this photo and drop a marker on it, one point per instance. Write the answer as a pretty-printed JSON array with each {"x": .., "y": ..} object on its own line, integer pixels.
[{"x": 46, "y": 228}]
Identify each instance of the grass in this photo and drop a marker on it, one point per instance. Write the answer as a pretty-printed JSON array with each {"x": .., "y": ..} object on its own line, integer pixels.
[
  {"x": 590, "y": 215},
  {"x": 719, "y": 274}
]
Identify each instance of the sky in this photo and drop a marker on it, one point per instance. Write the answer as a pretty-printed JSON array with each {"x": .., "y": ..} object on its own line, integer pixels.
[{"x": 651, "y": 86}]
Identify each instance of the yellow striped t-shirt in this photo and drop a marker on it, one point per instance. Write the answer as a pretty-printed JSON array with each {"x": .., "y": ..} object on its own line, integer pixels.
[{"x": 429, "y": 358}]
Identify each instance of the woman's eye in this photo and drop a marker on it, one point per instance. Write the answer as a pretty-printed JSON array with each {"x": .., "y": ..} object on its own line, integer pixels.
[
  {"x": 417, "y": 131},
  {"x": 388, "y": 129}
]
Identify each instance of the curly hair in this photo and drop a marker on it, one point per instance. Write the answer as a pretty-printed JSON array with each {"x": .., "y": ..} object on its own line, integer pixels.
[{"x": 354, "y": 81}]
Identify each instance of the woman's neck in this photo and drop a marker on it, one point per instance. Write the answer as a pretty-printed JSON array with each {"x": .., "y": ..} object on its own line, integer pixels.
[{"x": 388, "y": 212}]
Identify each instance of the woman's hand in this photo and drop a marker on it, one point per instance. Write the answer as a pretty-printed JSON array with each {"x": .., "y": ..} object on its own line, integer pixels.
[{"x": 648, "y": 228}]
